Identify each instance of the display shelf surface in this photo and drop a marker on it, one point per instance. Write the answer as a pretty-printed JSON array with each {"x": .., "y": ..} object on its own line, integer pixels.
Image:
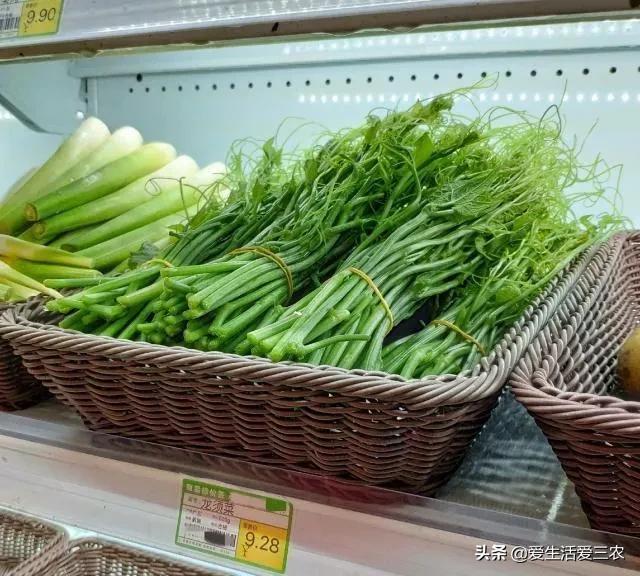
[
  {"x": 129, "y": 490},
  {"x": 87, "y": 25}
]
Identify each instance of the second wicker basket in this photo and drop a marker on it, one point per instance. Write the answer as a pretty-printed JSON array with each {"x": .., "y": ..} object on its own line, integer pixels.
[{"x": 568, "y": 382}]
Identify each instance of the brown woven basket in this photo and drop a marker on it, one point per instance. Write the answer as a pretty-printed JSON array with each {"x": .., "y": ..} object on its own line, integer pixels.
[
  {"x": 568, "y": 375},
  {"x": 25, "y": 541},
  {"x": 94, "y": 557},
  {"x": 371, "y": 427},
  {"x": 18, "y": 389}
]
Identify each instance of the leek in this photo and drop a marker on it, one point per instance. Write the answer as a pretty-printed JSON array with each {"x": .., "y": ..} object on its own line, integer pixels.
[
  {"x": 91, "y": 134},
  {"x": 112, "y": 252},
  {"x": 168, "y": 202},
  {"x": 16, "y": 248},
  {"x": 59, "y": 241},
  {"x": 8, "y": 273},
  {"x": 19, "y": 183},
  {"x": 109, "y": 178},
  {"x": 41, "y": 271},
  {"x": 15, "y": 292},
  {"x": 121, "y": 143},
  {"x": 112, "y": 205},
  {"x": 29, "y": 236}
]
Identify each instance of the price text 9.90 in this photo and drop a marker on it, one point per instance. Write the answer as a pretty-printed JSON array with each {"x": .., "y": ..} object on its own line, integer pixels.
[{"x": 43, "y": 15}]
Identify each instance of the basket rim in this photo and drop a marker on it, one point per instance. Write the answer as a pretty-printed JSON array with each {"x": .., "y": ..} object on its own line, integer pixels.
[
  {"x": 485, "y": 380},
  {"x": 604, "y": 412},
  {"x": 532, "y": 385}
]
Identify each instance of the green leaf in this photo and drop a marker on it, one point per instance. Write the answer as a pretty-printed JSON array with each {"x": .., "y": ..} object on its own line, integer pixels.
[
  {"x": 507, "y": 293},
  {"x": 480, "y": 246},
  {"x": 423, "y": 149},
  {"x": 272, "y": 153},
  {"x": 311, "y": 170},
  {"x": 372, "y": 130},
  {"x": 257, "y": 191},
  {"x": 148, "y": 251}
]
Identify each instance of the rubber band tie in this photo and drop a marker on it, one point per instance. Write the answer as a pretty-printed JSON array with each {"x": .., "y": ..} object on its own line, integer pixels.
[
  {"x": 377, "y": 292},
  {"x": 274, "y": 258},
  {"x": 461, "y": 332}
]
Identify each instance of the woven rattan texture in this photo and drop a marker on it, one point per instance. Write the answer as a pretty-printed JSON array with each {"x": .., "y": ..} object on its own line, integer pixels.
[
  {"x": 567, "y": 381},
  {"x": 26, "y": 541},
  {"x": 18, "y": 389},
  {"x": 94, "y": 557},
  {"x": 371, "y": 427}
]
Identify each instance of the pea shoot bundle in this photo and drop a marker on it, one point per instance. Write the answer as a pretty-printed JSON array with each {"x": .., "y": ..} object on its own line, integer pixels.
[{"x": 318, "y": 256}]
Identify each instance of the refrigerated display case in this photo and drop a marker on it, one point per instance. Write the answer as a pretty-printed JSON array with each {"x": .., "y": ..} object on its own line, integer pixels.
[{"x": 203, "y": 75}]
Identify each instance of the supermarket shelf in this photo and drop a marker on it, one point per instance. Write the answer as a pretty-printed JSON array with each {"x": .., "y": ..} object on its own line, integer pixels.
[
  {"x": 90, "y": 27},
  {"x": 510, "y": 468},
  {"x": 129, "y": 490}
]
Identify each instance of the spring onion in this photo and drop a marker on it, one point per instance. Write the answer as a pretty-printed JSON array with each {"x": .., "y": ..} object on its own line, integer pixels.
[
  {"x": 115, "y": 250},
  {"x": 91, "y": 134},
  {"x": 122, "y": 142},
  {"x": 173, "y": 196},
  {"x": 9, "y": 274},
  {"x": 107, "y": 179},
  {"x": 13, "y": 292},
  {"x": 19, "y": 183},
  {"x": 135, "y": 194},
  {"x": 16, "y": 248},
  {"x": 41, "y": 271}
]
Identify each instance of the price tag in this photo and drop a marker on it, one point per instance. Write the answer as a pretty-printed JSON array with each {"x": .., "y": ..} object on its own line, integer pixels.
[
  {"x": 29, "y": 17},
  {"x": 262, "y": 545},
  {"x": 242, "y": 526},
  {"x": 40, "y": 17}
]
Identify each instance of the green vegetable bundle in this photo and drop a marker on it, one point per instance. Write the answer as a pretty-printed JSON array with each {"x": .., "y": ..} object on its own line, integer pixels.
[
  {"x": 484, "y": 199},
  {"x": 319, "y": 257},
  {"x": 345, "y": 188},
  {"x": 119, "y": 305}
]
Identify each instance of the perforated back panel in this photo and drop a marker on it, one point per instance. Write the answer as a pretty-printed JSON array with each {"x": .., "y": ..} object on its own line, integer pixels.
[{"x": 202, "y": 100}]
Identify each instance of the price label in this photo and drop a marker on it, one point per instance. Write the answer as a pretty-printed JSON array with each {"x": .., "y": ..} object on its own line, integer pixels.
[
  {"x": 245, "y": 527},
  {"x": 262, "y": 545},
  {"x": 40, "y": 17}
]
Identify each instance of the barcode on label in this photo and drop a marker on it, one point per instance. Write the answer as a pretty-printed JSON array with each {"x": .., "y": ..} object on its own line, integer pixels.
[
  {"x": 218, "y": 538},
  {"x": 10, "y": 23}
]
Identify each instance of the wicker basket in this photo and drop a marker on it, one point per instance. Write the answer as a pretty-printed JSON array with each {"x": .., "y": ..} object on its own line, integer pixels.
[
  {"x": 25, "y": 541},
  {"x": 371, "y": 427},
  {"x": 18, "y": 389},
  {"x": 94, "y": 557},
  {"x": 567, "y": 375}
]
